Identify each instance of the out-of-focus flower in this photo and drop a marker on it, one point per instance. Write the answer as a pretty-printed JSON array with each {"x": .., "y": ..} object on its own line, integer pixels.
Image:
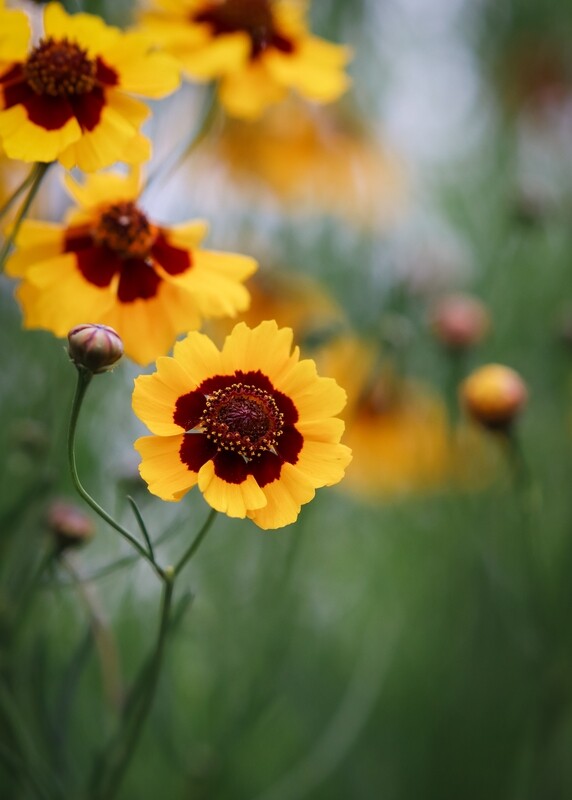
[
  {"x": 459, "y": 321},
  {"x": 494, "y": 395},
  {"x": 258, "y": 49},
  {"x": 110, "y": 264},
  {"x": 95, "y": 348},
  {"x": 399, "y": 431},
  {"x": 69, "y": 525},
  {"x": 294, "y": 301},
  {"x": 397, "y": 428},
  {"x": 69, "y": 96},
  {"x": 253, "y": 425},
  {"x": 320, "y": 159}
]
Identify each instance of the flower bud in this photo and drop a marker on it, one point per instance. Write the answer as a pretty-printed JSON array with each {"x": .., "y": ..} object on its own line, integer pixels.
[
  {"x": 69, "y": 525},
  {"x": 95, "y": 348},
  {"x": 460, "y": 321},
  {"x": 494, "y": 395}
]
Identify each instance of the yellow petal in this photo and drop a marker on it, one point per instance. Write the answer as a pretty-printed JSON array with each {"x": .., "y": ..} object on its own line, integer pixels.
[
  {"x": 199, "y": 356},
  {"x": 233, "y": 499},
  {"x": 108, "y": 187},
  {"x": 220, "y": 56},
  {"x": 141, "y": 72},
  {"x": 87, "y": 29},
  {"x": 248, "y": 92},
  {"x": 162, "y": 468},
  {"x": 322, "y": 463},
  {"x": 188, "y": 235},
  {"x": 285, "y": 496},
  {"x": 315, "y": 69},
  {"x": 14, "y": 35},
  {"x": 265, "y": 347},
  {"x": 56, "y": 297},
  {"x": 108, "y": 141},
  {"x": 155, "y": 397},
  {"x": 26, "y": 141},
  {"x": 144, "y": 326},
  {"x": 314, "y": 397}
]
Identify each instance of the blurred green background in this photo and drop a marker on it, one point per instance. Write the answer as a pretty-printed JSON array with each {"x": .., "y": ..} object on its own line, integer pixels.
[{"x": 405, "y": 646}]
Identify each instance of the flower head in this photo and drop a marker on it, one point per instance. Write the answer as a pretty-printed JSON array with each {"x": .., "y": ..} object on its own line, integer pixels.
[
  {"x": 460, "y": 321},
  {"x": 494, "y": 395},
  {"x": 258, "y": 49},
  {"x": 69, "y": 96},
  {"x": 112, "y": 265},
  {"x": 251, "y": 424},
  {"x": 95, "y": 348}
]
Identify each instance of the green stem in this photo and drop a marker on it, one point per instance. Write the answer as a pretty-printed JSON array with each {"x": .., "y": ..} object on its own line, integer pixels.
[
  {"x": 208, "y": 120},
  {"x": 195, "y": 544},
  {"x": 83, "y": 381},
  {"x": 122, "y": 749},
  {"x": 9, "y": 202},
  {"x": 36, "y": 179}
]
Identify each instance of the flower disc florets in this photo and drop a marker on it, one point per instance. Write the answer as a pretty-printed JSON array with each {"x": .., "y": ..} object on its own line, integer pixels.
[
  {"x": 243, "y": 419},
  {"x": 125, "y": 229},
  {"x": 254, "y": 17},
  {"x": 60, "y": 69}
]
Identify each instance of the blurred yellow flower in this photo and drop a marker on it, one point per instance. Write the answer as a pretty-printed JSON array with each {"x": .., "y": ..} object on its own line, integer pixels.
[
  {"x": 110, "y": 264},
  {"x": 294, "y": 301},
  {"x": 253, "y": 425},
  {"x": 69, "y": 96},
  {"x": 258, "y": 49},
  {"x": 321, "y": 158},
  {"x": 399, "y": 431}
]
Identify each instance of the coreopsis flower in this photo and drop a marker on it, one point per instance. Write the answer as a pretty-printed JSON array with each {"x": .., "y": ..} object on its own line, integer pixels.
[
  {"x": 319, "y": 160},
  {"x": 398, "y": 430},
  {"x": 258, "y": 49},
  {"x": 252, "y": 424},
  {"x": 294, "y": 301},
  {"x": 110, "y": 264},
  {"x": 69, "y": 97}
]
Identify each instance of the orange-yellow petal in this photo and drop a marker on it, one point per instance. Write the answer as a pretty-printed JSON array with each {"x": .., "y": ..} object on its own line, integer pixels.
[
  {"x": 161, "y": 467},
  {"x": 233, "y": 499}
]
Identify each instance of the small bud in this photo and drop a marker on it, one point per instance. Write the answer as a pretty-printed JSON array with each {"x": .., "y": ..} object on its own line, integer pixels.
[
  {"x": 460, "y": 321},
  {"x": 494, "y": 395},
  {"x": 69, "y": 525},
  {"x": 95, "y": 348}
]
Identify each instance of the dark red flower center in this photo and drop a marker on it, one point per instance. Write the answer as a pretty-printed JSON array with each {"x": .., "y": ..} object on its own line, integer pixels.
[
  {"x": 125, "y": 229},
  {"x": 243, "y": 419},
  {"x": 60, "y": 68},
  {"x": 254, "y": 17}
]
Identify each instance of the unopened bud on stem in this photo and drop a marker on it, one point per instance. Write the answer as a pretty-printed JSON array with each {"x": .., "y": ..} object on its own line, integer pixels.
[
  {"x": 494, "y": 395},
  {"x": 69, "y": 525},
  {"x": 460, "y": 321},
  {"x": 95, "y": 348}
]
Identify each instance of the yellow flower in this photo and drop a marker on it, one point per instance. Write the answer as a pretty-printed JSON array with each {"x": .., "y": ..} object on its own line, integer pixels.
[
  {"x": 294, "y": 301},
  {"x": 399, "y": 431},
  {"x": 319, "y": 158},
  {"x": 69, "y": 97},
  {"x": 110, "y": 264},
  {"x": 259, "y": 49},
  {"x": 253, "y": 425}
]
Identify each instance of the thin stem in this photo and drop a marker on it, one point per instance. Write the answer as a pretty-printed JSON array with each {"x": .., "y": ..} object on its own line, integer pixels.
[
  {"x": 9, "y": 202},
  {"x": 39, "y": 172},
  {"x": 83, "y": 381},
  {"x": 201, "y": 133},
  {"x": 121, "y": 751},
  {"x": 142, "y": 526},
  {"x": 186, "y": 557}
]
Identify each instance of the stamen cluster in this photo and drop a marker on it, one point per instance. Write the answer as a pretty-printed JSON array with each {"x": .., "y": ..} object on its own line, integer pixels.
[
  {"x": 60, "y": 68},
  {"x": 125, "y": 229},
  {"x": 243, "y": 419}
]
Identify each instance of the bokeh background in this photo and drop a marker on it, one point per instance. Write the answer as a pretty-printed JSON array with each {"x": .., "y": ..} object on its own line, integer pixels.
[{"x": 410, "y": 637}]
